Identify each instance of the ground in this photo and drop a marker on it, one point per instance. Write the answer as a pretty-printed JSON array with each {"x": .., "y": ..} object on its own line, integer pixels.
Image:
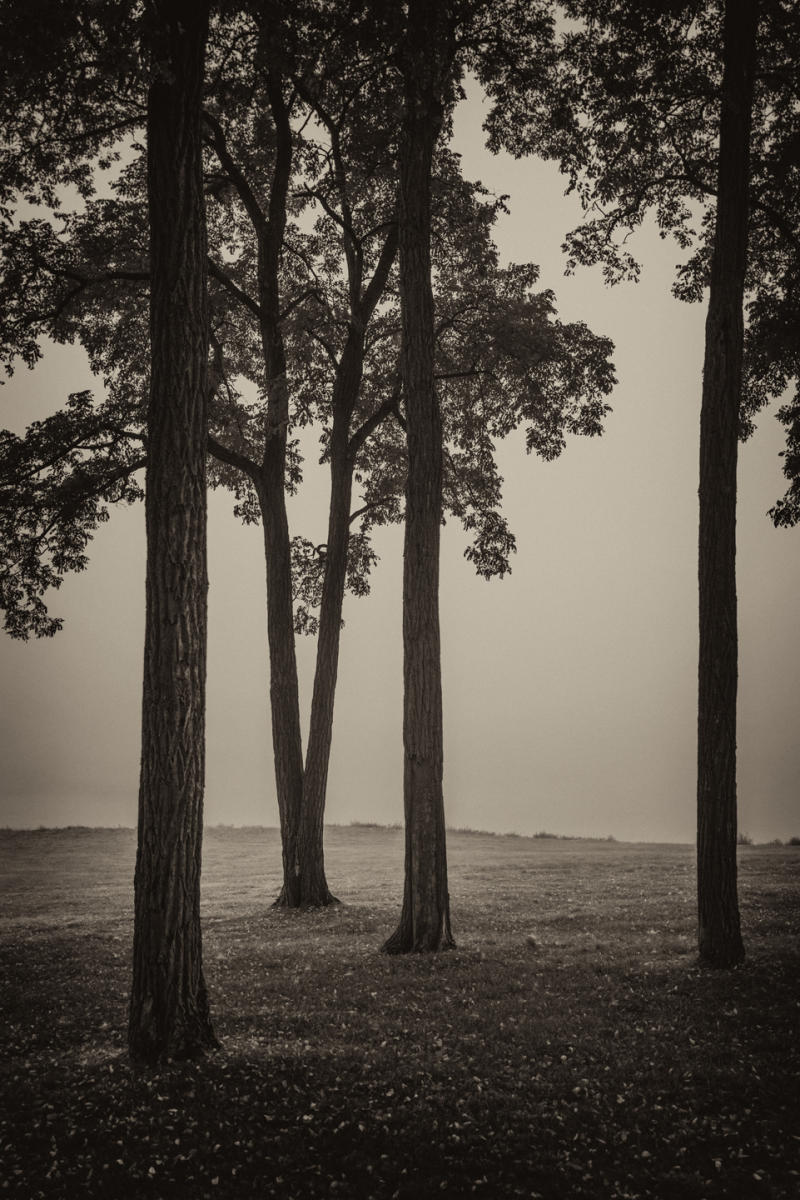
[{"x": 568, "y": 1047}]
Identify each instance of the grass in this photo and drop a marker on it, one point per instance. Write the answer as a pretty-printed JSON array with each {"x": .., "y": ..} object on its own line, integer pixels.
[{"x": 569, "y": 1047}]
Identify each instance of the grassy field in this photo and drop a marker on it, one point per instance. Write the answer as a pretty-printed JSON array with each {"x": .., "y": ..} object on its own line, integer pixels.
[{"x": 569, "y": 1047}]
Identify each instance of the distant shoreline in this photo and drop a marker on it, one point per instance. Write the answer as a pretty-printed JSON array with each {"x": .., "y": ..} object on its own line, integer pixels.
[
  {"x": 376, "y": 827},
  {"x": 353, "y": 826}
]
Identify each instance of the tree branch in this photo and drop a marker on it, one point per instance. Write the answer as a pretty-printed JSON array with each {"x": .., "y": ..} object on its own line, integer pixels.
[
  {"x": 372, "y": 422},
  {"x": 326, "y": 346},
  {"x": 377, "y": 284},
  {"x": 233, "y": 288},
  {"x": 276, "y": 224},
  {"x": 232, "y": 458},
  {"x": 352, "y": 247},
  {"x": 237, "y": 177},
  {"x": 299, "y": 300},
  {"x": 379, "y": 503}
]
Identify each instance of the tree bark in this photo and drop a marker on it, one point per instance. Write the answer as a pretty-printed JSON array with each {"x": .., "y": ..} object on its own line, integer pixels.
[
  {"x": 301, "y": 794},
  {"x": 316, "y": 891},
  {"x": 346, "y": 388},
  {"x": 287, "y": 742},
  {"x": 169, "y": 1011},
  {"x": 425, "y": 917},
  {"x": 270, "y": 482},
  {"x": 719, "y": 936}
]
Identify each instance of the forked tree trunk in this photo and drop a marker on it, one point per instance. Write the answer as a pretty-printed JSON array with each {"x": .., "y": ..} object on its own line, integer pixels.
[
  {"x": 301, "y": 793},
  {"x": 314, "y": 890},
  {"x": 719, "y": 936},
  {"x": 169, "y": 1012},
  {"x": 347, "y": 386},
  {"x": 425, "y": 917},
  {"x": 345, "y": 395},
  {"x": 287, "y": 740}
]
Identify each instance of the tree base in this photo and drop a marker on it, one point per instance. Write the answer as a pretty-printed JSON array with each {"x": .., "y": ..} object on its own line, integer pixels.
[
  {"x": 147, "y": 1050},
  {"x": 402, "y": 941},
  {"x": 300, "y": 902},
  {"x": 720, "y": 957}
]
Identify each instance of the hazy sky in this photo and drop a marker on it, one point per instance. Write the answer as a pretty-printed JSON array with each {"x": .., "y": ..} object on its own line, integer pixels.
[{"x": 569, "y": 687}]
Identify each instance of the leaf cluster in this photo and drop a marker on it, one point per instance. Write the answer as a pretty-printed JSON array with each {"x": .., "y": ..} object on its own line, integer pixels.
[
  {"x": 56, "y": 484},
  {"x": 72, "y": 80}
]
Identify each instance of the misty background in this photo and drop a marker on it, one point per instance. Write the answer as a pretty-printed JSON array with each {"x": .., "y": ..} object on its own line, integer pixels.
[{"x": 569, "y": 686}]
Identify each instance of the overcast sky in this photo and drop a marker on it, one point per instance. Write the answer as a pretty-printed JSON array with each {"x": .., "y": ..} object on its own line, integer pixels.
[{"x": 569, "y": 687}]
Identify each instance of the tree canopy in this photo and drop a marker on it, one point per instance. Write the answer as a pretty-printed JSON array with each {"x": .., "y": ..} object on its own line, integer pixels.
[
  {"x": 301, "y": 168},
  {"x": 631, "y": 119},
  {"x": 503, "y": 358}
]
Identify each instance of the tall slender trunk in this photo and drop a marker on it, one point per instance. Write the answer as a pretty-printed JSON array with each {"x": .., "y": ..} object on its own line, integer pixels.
[
  {"x": 425, "y": 917},
  {"x": 270, "y": 483},
  {"x": 345, "y": 394},
  {"x": 327, "y": 665},
  {"x": 719, "y": 936},
  {"x": 169, "y": 1013},
  {"x": 287, "y": 743}
]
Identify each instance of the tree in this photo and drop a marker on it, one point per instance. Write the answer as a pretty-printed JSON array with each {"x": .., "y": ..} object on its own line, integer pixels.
[
  {"x": 344, "y": 307},
  {"x": 720, "y": 940},
  {"x": 73, "y": 83},
  {"x": 501, "y": 358},
  {"x": 169, "y": 1012},
  {"x": 435, "y": 44},
  {"x": 427, "y": 64},
  {"x": 661, "y": 108},
  {"x": 61, "y": 285}
]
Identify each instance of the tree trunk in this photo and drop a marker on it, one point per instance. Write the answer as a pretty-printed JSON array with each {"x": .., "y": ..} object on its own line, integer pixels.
[
  {"x": 315, "y": 784},
  {"x": 169, "y": 1012},
  {"x": 345, "y": 394},
  {"x": 287, "y": 743},
  {"x": 720, "y": 942},
  {"x": 425, "y": 917}
]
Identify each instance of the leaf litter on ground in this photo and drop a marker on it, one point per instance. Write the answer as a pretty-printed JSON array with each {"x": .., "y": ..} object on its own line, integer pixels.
[{"x": 598, "y": 1062}]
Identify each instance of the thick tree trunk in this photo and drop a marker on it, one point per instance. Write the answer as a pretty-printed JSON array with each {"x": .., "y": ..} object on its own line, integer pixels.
[
  {"x": 720, "y": 942},
  {"x": 169, "y": 1013},
  {"x": 425, "y": 917}
]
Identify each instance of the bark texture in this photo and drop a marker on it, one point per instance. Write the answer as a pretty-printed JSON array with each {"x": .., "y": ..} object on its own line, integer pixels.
[
  {"x": 719, "y": 936},
  {"x": 283, "y": 687},
  {"x": 327, "y": 664},
  {"x": 287, "y": 740},
  {"x": 343, "y": 450},
  {"x": 300, "y": 790},
  {"x": 425, "y": 917},
  {"x": 169, "y": 1013}
]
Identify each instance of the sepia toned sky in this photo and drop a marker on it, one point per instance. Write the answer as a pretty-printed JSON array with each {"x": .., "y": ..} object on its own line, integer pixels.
[{"x": 569, "y": 686}]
